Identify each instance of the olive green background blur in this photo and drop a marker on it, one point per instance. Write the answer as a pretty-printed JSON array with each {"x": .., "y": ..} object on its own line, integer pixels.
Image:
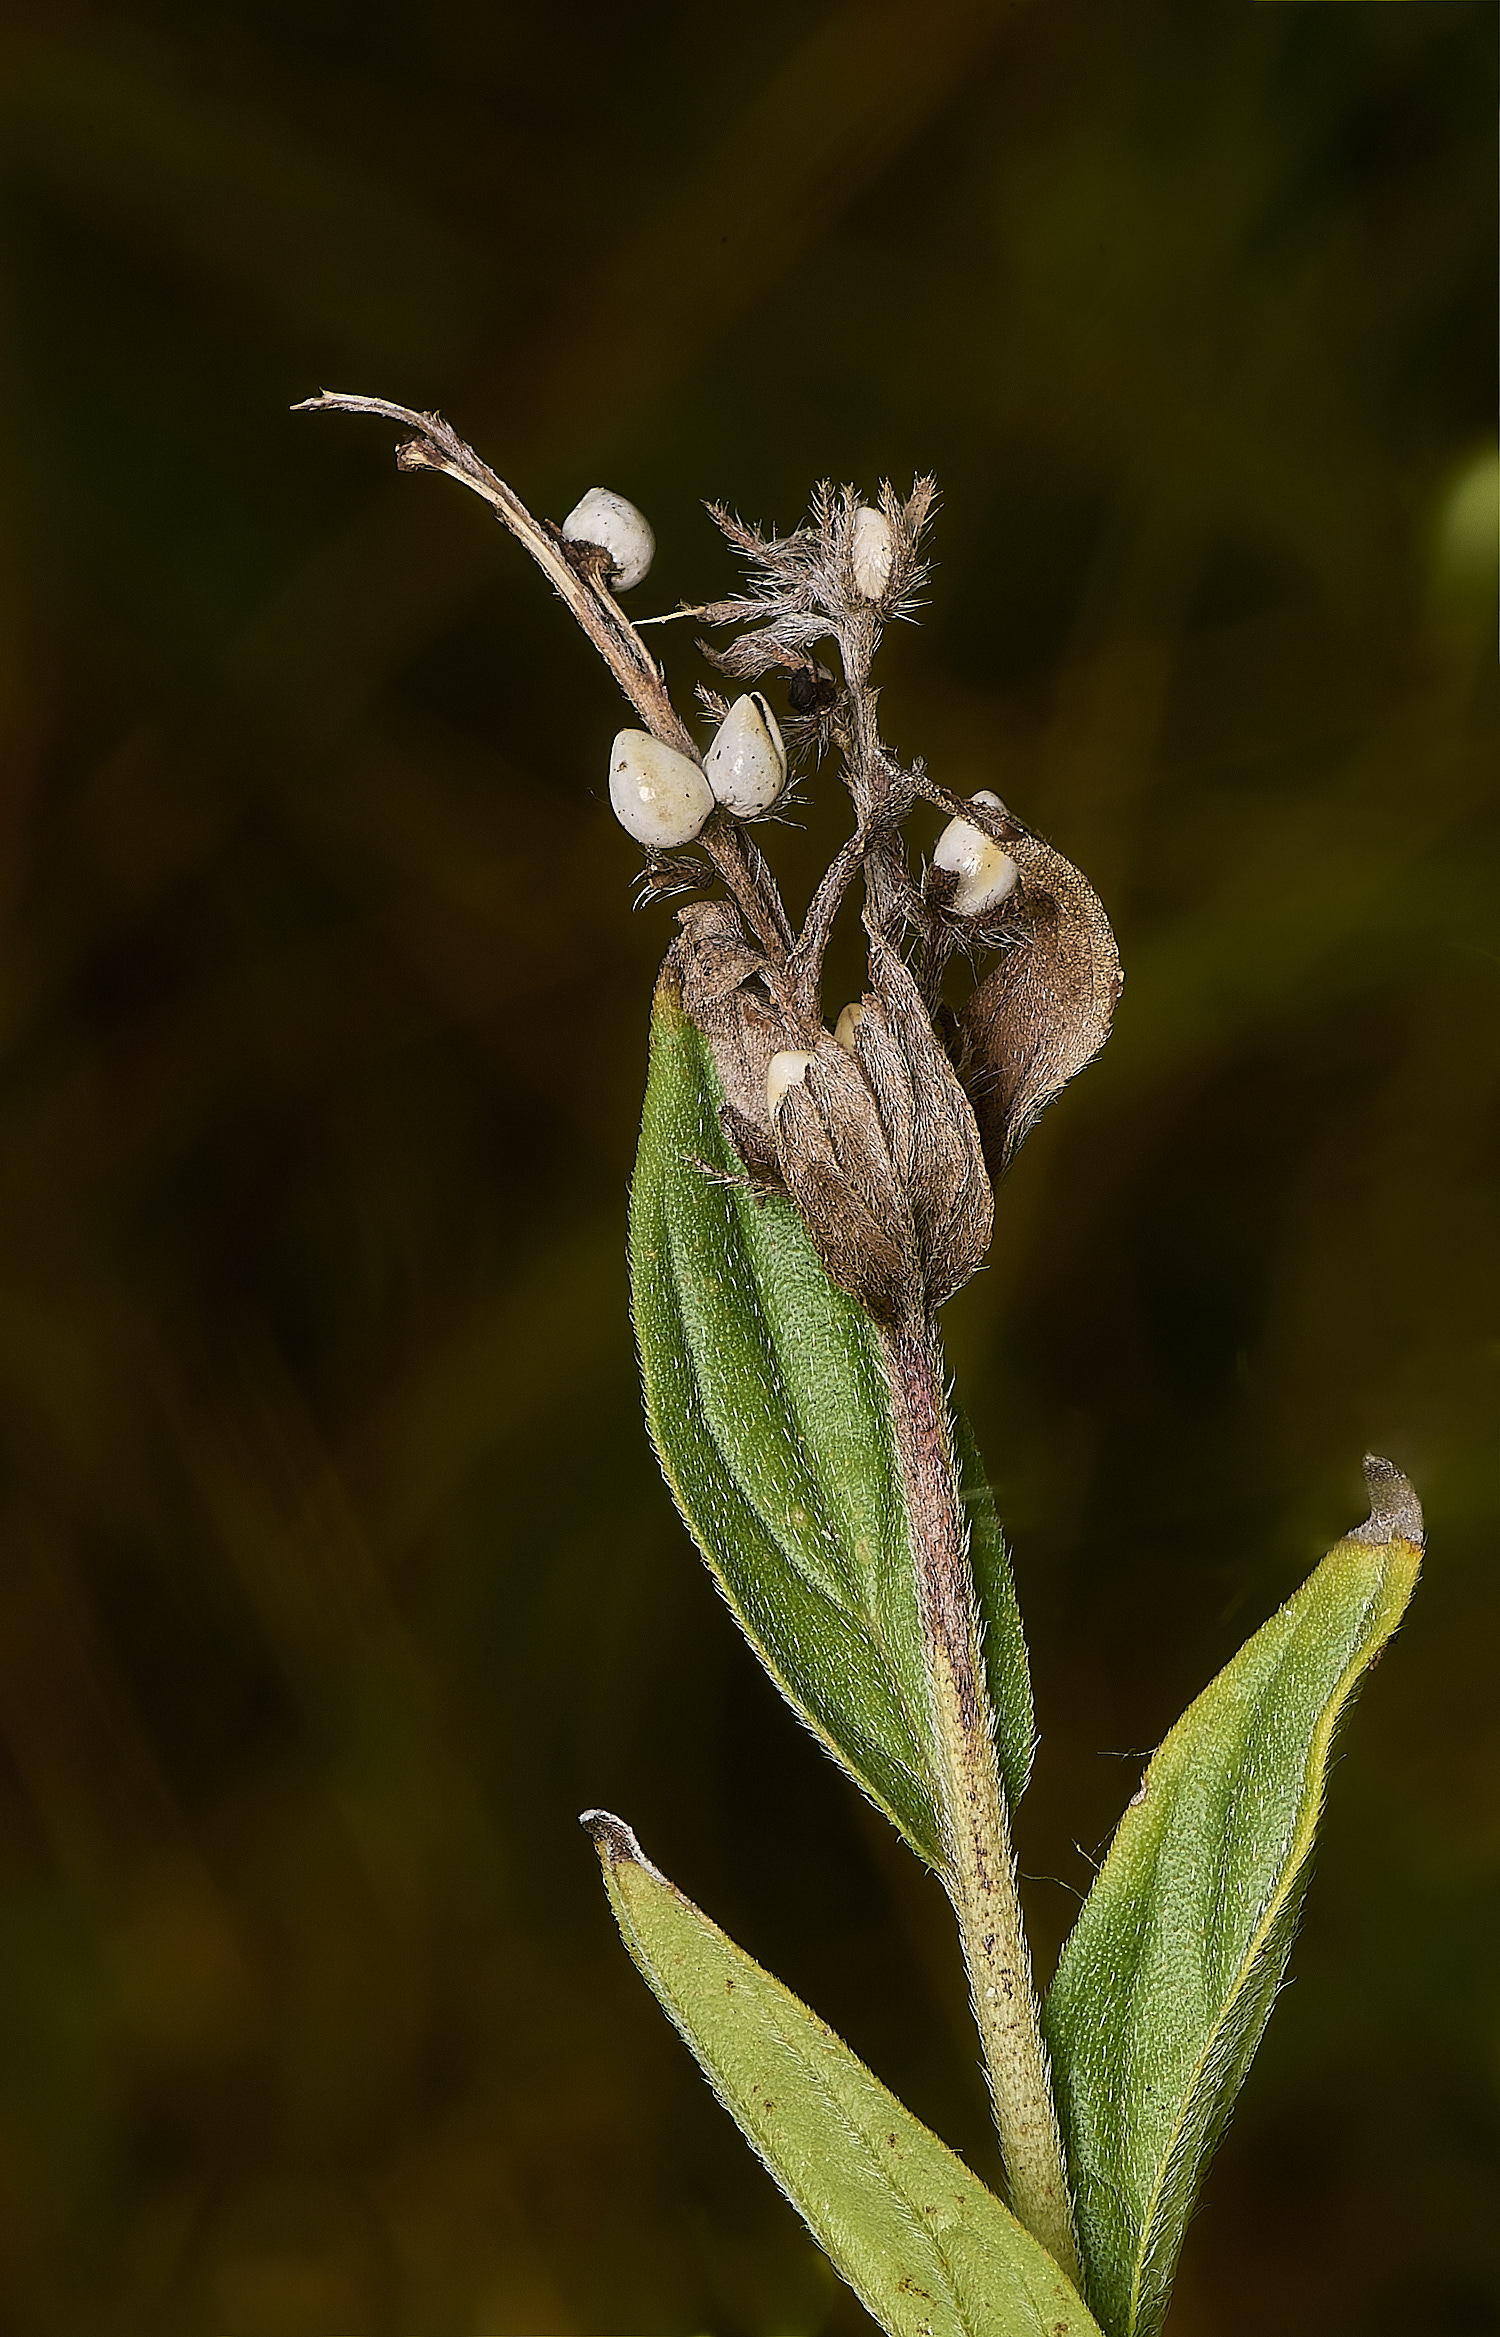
[{"x": 337, "y": 1576}]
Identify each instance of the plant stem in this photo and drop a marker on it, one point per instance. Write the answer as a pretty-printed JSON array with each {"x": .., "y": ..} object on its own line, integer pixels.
[
  {"x": 433, "y": 446},
  {"x": 981, "y": 1875}
]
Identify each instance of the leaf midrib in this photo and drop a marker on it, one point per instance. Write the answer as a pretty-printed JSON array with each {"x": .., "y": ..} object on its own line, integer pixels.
[
  {"x": 856, "y": 1612},
  {"x": 848, "y": 2125}
]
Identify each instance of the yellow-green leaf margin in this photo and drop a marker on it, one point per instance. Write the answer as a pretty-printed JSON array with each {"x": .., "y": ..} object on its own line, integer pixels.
[
  {"x": 924, "y": 2245},
  {"x": 1166, "y": 1984}
]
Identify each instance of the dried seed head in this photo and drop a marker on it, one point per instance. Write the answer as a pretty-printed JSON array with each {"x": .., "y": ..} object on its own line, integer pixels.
[
  {"x": 605, "y": 518},
  {"x": 746, "y": 765},
  {"x": 984, "y": 870},
  {"x": 659, "y": 796},
  {"x": 868, "y": 1129},
  {"x": 871, "y": 550}
]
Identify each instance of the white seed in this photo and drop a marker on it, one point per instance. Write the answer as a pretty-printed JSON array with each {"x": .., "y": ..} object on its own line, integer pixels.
[
  {"x": 872, "y": 551},
  {"x": 659, "y": 796},
  {"x": 788, "y": 1069},
  {"x": 746, "y": 765},
  {"x": 847, "y": 1025},
  {"x": 985, "y": 872},
  {"x": 603, "y": 517}
]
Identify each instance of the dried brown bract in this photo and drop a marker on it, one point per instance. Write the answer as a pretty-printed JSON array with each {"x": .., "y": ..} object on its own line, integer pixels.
[
  {"x": 929, "y": 1125},
  {"x": 1043, "y": 1011},
  {"x": 887, "y": 1144}
]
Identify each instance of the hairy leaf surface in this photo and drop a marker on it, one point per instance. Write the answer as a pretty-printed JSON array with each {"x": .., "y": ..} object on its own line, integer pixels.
[
  {"x": 927, "y": 2249},
  {"x": 769, "y": 1408},
  {"x": 1166, "y": 1984}
]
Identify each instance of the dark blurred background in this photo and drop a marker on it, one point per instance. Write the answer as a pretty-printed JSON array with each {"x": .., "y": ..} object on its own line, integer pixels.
[{"x": 337, "y": 1576}]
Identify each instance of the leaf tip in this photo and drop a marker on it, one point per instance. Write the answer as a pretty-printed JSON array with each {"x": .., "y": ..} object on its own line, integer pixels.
[
  {"x": 1395, "y": 1512},
  {"x": 612, "y": 1838}
]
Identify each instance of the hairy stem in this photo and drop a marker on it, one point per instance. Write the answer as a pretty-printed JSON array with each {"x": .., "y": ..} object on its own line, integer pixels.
[
  {"x": 981, "y": 1874},
  {"x": 746, "y": 876},
  {"x": 578, "y": 580}
]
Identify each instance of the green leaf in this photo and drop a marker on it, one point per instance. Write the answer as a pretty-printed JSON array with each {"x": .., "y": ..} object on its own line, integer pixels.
[
  {"x": 919, "y": 2239},
  {"x": 770, "y": 1411},
  {"x": 1167, "y": 1981}
]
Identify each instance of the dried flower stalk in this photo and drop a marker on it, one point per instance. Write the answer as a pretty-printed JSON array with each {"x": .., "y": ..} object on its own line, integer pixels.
[{"x": 886, "y": 1136}]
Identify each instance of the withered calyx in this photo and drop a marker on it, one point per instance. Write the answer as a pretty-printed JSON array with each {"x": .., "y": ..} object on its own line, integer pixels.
[{"x": 887, "y": 1152}]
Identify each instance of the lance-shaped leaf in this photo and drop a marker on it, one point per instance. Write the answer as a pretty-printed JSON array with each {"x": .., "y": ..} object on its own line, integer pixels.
[
  {"x": 919, "y": 2239},
  {"x": 770, "y": 1410},
  {"x": 1167, "y": 1981}
]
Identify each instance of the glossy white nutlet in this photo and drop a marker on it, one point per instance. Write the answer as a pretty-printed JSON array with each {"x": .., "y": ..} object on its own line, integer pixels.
[
  {"x": 659, "y": 796},
  {"x": 746, "y": 765},
  {"x": 603, "y": 517},
  {"x": 985, "y": 871},
  {"x": 788, "y": 1069},
  {"x": 847, "y": 1024},
  {"x": 872, "y": 551}
]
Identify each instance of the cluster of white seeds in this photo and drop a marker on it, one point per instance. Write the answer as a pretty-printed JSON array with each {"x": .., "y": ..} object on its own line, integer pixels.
[{"x": 662, "y": 798}]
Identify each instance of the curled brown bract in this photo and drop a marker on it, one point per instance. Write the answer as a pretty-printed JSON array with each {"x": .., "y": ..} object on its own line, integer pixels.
[{"x": 1043, "y": 1011}]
